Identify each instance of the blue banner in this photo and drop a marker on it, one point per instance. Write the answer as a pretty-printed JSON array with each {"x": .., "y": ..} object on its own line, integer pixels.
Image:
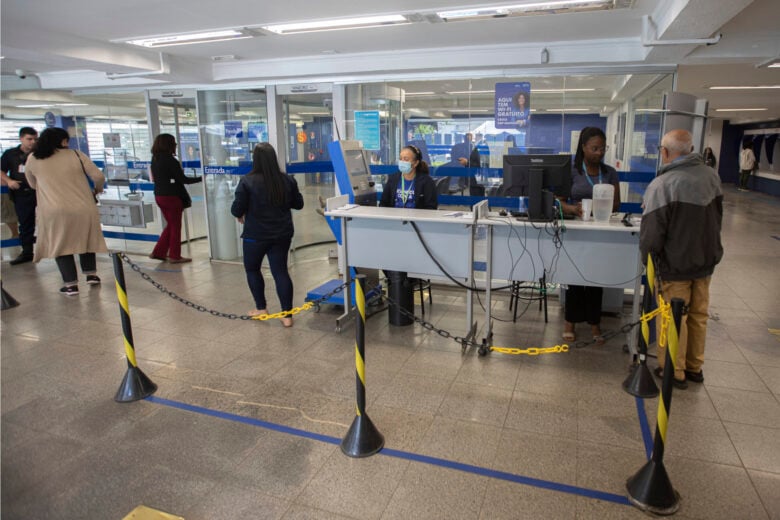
[
  {"x": 232, "y": 129},
  {"x": 367, "y": 128},
  {"x": 513, "y": 105},
  {"x": 257, "y": 132}
]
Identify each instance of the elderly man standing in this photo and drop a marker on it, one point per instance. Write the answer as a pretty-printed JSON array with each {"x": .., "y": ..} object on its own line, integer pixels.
[{"x": 683, "y": 210}]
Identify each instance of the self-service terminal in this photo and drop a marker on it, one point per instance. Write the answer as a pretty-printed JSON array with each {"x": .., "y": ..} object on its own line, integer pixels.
[{"x": 353, "y": 177}]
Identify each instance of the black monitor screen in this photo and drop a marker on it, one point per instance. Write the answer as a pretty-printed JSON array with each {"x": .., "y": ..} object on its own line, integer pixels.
[{"x": 540, "y": 178}]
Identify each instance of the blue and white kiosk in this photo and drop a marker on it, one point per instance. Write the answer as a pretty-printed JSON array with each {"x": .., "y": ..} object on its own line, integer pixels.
[{"x": 354, "y": 187}]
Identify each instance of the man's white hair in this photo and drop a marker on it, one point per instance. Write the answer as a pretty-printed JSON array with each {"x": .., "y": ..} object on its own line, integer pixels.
[{"x": 678, "y": 142}]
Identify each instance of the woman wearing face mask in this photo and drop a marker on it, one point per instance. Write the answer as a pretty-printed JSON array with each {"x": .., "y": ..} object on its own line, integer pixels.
[{"x": 411, "y": 187}]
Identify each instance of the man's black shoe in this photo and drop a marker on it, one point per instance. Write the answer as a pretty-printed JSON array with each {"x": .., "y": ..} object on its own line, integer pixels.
[
  {"x": 696, "y": 377},
  {"x": 680, "y": 384},
  {"x": 21, "y": 259}
]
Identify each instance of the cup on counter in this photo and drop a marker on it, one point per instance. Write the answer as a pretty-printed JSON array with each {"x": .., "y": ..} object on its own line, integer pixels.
[{"x": 587, "y": 206}]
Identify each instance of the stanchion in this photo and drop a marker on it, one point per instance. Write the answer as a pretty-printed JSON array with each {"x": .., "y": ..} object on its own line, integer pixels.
[
  {"x": 8, "y": 302},
  {"x": 362, "y": 439},
  {"x": 640, "y": 381},
  {"x": 650, "y": 489},
  {"x": 135, "y": 385}
]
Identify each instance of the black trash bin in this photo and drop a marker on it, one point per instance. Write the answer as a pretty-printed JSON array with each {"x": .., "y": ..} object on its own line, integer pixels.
[{"x": 400, "y": 291}]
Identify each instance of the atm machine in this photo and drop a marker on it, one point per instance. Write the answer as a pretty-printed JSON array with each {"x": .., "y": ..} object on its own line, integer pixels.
[{"x": 353, "y": 186}]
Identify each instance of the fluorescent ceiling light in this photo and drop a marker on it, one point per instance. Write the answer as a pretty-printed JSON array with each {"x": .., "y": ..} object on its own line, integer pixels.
[
  {"x": 313, "y": 113},
  {"x": 191, "y": 38},
  {"x": 49, "y": 105},
  {"x": 559, "y": 90},
  {"x": 471, "y": 92},
  {"x": 336, "y": 25},
  {"x": 744, "y": 87},
  {"x": 740, "y": 109},
  {"x": 420, "y": 94},
  {"x": 568, "y": 110},
  {"x": 524, "y": 9},
  {"x": 468, "y": 110}
]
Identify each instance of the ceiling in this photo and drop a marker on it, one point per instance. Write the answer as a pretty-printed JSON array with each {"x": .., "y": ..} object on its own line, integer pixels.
[{"x": 69, "y": 49}]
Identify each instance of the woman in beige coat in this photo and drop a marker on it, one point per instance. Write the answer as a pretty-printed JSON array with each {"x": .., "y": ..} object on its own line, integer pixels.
[{"x": 67, "y": 218}]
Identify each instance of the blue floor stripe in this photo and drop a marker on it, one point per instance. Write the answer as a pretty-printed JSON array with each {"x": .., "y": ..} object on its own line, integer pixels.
[
  {"x": 644, "y": 426},
  {"x": 425, "y": 459}
]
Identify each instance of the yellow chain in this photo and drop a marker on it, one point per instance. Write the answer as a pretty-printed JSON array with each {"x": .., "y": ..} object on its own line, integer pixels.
[
  {"x": 532, "y": 351},
  {"x": 664, "y": 310},
  {"x": 283, "y": 314}
]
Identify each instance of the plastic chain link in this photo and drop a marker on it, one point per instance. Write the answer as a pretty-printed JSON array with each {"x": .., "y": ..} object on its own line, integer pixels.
[{"x": 230, "y": 316}]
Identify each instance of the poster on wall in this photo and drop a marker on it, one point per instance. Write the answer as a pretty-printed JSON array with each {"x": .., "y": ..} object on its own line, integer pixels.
[
  {"x": 257, "y": 132},
  {"x": 367, "y": 128},
  {"x": 232, "y": 129},
  {"x": 513, "y": 105}
]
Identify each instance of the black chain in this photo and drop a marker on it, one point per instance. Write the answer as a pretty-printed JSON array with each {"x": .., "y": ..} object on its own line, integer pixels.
[
  {"x": 200, "y": 308},
  {"x": 625, "y": 329}
]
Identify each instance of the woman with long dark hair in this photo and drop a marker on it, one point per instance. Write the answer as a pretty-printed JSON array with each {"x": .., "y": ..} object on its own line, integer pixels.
[
  {"x": 68, "y": 221},
  {"x": 583, "y": 303},
  {"x": 411, "y": 186},
  {"x": 264, "y": 198},
  {"x": 170, "y": 194}
]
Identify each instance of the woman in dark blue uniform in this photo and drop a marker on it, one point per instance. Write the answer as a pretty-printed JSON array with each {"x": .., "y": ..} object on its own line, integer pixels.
[{"x": 583, "y": 303}]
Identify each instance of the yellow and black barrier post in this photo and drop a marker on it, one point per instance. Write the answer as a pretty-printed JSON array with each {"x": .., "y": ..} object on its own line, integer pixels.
[
  {"x": 650, "y": 489},
  {"x": 135, "y": 385},
  {"x": 8, "y": 301},
  {"x": 640, "y": 381},
  {"x": 362, "y": 439}
]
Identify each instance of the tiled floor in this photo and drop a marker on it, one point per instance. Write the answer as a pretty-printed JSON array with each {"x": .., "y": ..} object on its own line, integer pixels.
[{"x": 499, "y": 436}]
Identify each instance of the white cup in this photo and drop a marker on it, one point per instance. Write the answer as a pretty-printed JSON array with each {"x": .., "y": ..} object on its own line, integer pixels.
[{"x": 587, "y": 205}]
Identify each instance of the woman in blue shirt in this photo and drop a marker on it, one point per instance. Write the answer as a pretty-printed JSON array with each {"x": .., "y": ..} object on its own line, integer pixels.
[
  {"x": 412, "y": 186},
  {"x": 264, "y": 198},
  {"x": 583, "y": 303}
]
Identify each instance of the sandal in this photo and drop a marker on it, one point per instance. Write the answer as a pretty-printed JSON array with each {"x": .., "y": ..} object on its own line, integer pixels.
[
  {"x": 568, "y": 336},
  {"x": 287, "y": 321},
  {"x": 257, "y": 312},
  {"x": 599, "y": 340}
]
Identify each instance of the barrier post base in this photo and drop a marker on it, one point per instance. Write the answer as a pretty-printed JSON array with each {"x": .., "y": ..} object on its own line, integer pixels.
[
  {"x": 640, "y": 382},
  {"x": 135, "y": 386},
  {"x": 8, "y": 301},
  {"x": 651, "y": 490},
  {"x": 362, "y": 439}
]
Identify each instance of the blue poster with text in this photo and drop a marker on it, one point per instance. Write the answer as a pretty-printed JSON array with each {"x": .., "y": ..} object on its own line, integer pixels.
[
  {"x": 513, "y": 105},
  {"x": 367, "y": 128}
]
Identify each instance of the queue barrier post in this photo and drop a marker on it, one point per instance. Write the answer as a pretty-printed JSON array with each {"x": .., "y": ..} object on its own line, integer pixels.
[
  {"x": 8, "y": 301},
  {"x": 363, "y": 439},
  {"x": 650, "y": 488},
  {"x": 135, "y": 385},
  {"x": 640, "y": 381}
]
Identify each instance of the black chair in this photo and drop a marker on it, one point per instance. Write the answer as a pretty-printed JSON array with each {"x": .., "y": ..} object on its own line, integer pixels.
[
  {"x": 442, "y": 185},
  {"x": 529, "y": 292},
  {"x": 418, "y": 284}
]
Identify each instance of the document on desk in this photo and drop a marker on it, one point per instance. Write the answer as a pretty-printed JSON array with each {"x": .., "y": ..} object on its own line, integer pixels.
[
  {"x": 349, "y": 206},
  {"x": 466, "y": 215}
]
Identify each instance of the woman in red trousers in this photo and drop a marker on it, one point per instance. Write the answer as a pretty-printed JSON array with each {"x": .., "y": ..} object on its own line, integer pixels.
[{"x": 169, "y": 191}]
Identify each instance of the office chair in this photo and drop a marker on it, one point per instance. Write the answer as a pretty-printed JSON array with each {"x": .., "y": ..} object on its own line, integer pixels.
[{"x": 520, "y": 290}]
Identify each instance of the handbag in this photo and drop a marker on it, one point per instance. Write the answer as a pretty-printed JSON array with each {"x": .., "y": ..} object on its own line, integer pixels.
[
  {"x": 186, "y": 200},
  {"x": 89, "y": 181}
]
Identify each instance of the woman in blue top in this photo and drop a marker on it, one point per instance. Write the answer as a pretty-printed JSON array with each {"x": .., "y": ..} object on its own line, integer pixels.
[
  {"x": 412, "y": 186},
  {"x": 583, "y": 303},
  {"x": 264, "y": 198}
]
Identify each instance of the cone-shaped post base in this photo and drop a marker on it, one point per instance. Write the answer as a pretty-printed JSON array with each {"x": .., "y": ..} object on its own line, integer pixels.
[
  {"x": 8, "y": 301},
  {"x": 640, "y": 382},
  {"x": 651, "y": 490},
  {"x": 362, "y": 439},
  {"x": 135, "y": 386}
]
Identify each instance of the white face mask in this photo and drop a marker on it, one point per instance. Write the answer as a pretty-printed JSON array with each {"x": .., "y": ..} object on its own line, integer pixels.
[{"x": 404, "y": 166}]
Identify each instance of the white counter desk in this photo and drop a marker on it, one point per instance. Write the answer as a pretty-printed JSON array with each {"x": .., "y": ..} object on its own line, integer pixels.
[{"x": 584, "y": 253}]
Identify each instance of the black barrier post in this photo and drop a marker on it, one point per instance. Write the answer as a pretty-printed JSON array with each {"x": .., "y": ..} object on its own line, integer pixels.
[
  {"x": 650, "y": 489},
  {"x": 8, "y": 301},
  {"x": 640, "y": 382},
  {"x": 135, "y": 385},
  {"x": 362, "y": 439}
]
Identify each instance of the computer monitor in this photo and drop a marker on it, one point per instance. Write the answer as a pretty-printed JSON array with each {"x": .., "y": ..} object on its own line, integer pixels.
[{"x": 539, "y": 177}]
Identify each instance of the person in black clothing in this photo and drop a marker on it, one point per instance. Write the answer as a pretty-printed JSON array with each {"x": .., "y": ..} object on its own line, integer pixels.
[
  {"x": 264, "y": 198},
  {"x": 709, "y": 158},
  {"x": 475, "y": 161},
  {"x": 412, "y": 186},
  {"x": 169, "y": 194},
  {"x": 23, "y": 196}
]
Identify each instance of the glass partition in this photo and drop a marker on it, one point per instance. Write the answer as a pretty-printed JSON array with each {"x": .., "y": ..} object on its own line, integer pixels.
[{"x": 231, "y": 122}]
